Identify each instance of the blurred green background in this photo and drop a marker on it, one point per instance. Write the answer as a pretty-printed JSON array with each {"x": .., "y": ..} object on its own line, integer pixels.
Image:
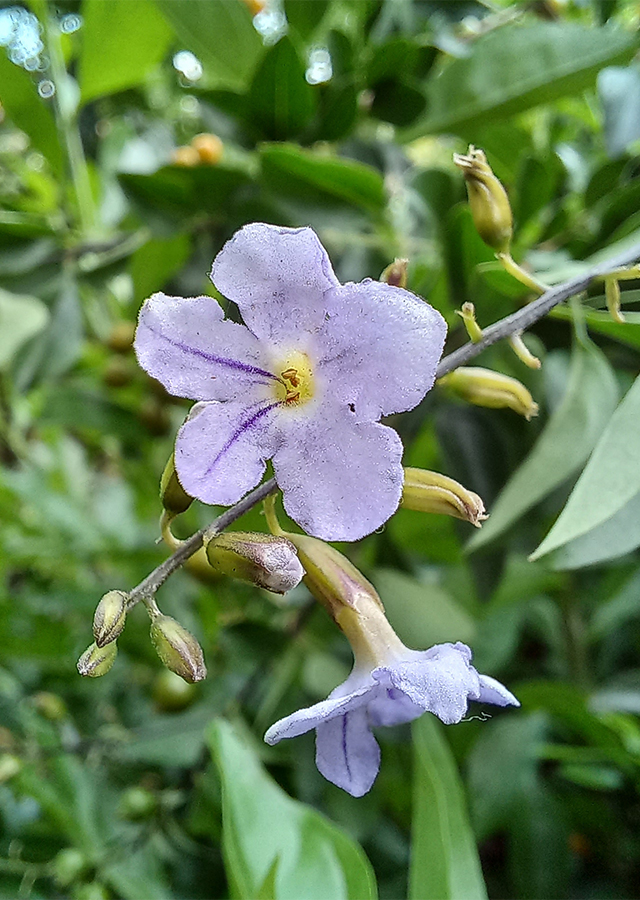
[{"x": 342, "y": 115}]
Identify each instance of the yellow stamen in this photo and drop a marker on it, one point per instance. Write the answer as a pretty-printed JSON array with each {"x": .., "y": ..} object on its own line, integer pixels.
[{"x": 295, "y": 384}]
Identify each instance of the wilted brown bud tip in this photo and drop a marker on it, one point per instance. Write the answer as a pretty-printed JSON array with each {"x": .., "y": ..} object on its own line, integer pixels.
[
  {"x": 178, "y": 649},
  {"x": 396, "y": 273},
  {"x": 488, "y": 199},
  {"x": 109, "y": 617},
  {"x": 96, "y": 661}
]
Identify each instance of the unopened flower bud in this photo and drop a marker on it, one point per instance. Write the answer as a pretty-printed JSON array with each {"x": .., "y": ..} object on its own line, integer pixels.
[
  {"x": 173, "y": 496},
  {"x": 484, "y": 387},
  {"x": 522, "y": 351},
  {"x": 426, "y": 491},
  {"x": 468, "y": 316},
  {"x": 109, "y": 617},
  {"x": 178, "y": 649},
  {"x": 612, "y": 297},
  {"x": 329, "y": 575},
  {"x": 263, "y": 559},
  {"x": 209, "y": 148},
  {"x": 396, "y": 273},
  {"x": 69, "y": 865},
  {"x": 488, "y": 199},
  {"x": 187, "y": 157},
  {"x": 10, "y": 765},
  {"x": 96, "y": 661}
]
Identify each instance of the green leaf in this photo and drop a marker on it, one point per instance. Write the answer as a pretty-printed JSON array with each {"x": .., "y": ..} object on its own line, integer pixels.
[
  {"x": 186, "y": 191},
  {"x": 122, "y": 41},
  {"x": 444, "y": 856},
  {"x": 138, "y": 874},
  {"x": 290, "y": 171},
  {"x": 565, "y": 444},
  {"x": 221, "y": 34},
  {"x": 28, "y": 111},
  {"x": 153, "y": 264},
  {"x": 618, "y": 535},
  {"x": 21, "y": 318},
  {"x": 610, "y": 480},
  {"x": 304, "y": 16},
  {"x": 602, "y": 323},
  {"x": 422, "y": 614},
  {"x": 281, "y": 101},
  {"x": 516, "y": 67},
  {"x": 619, "y": 92},
  {"x": 267, "y": 836}
]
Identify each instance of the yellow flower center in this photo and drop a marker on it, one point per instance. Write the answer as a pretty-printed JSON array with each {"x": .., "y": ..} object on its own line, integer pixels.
[{"x": 295, "y": 379}]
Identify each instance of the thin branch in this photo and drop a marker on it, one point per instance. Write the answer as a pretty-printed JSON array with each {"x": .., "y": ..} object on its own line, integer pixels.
[
  {"x": 525, "y": 317},
  {"x": 155, "y": 579},
  {"x": 517, "y": 321}
]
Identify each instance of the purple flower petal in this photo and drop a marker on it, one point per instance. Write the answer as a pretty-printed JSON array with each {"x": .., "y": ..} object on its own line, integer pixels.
[
  {"x": 491, "y": 691},
  {"x": 389, "y": 706},
  {"x": 347, "y": 754},
  {"x": 340, "y": 480},
  {"x": 186, "y": 345},
  {"x": 222, "y": 447},
  {"x": 440, "y": 682},
  {"x": 277, "y": 277},
  {"x": 304, "y": 720},
  {"x": 380, "y": 347}
]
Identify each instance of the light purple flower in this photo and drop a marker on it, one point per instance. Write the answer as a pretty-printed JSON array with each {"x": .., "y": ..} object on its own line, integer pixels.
[
  {"x": 440, "y": 681},
  {"x": 303, "y": 382}
]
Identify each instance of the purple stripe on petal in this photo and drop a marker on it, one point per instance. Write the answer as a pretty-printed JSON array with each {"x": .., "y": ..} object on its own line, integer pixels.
[
  {"x": 245, "y": 425},
  {"x": 219, "y": 360},
  {"x": 344, "y": 747}
]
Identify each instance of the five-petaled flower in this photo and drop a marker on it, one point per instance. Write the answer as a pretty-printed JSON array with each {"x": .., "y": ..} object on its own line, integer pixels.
[
  {"x": 397, "y": 690},
  {"x": 303, "y": 382}
]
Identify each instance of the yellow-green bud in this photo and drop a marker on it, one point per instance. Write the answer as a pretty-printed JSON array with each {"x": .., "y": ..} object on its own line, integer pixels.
[
  {"x": 178, "y": 649},
  {"x": 396, "y": 273},
  {"x": 137, "y": 803},
  {"x": 69, "y": 865},
  {"x": 9, "y": 766},
  {"x": 330, "y": 576},
  {"x": 174, "y": 497},
  {"x": 468, "y": 316},
  {"x": 109, "y": 617},
  {"x": 484, "y": 387},
  {"x": 612, "y": 297},
  {"x": 96, "y": 661},
  {"x": 432, "y": 492},
  {"x": 490, "y": 207},
  {"x": 263, "y": 559},
  {"x": 51, "y": 706}
]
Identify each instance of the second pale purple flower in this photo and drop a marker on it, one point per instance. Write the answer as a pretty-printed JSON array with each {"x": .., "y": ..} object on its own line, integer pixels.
[{"x": 303, "y": 382}]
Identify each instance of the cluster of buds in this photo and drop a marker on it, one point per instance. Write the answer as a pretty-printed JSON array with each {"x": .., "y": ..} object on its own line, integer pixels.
[
  {"x": 108, "y": 622},
  {"x": 204, "y": 150}
]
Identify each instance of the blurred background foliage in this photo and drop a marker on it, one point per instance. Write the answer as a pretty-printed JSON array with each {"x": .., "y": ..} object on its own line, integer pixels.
[{"x": 344, "y": 116}]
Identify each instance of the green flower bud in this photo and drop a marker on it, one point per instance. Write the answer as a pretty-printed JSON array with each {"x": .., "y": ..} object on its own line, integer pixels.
[
  {"x": 109, "y": 617},
  {"x": 69, "y": 865},
  {"x": 263, "y": 559},
  {"x": 484, "y": 387},
  {"x": 174, "y": 497},
  {"x": 51, "y": 706},
  {"x": 10, "y": 765},
  {"x": 490, "y": 207},
  {"x": 94, "y": 890},
  {"x": 171, "y": 693},
  {"x": 137, "y": 803},
  {"x": 178, "y": 649},
  {"x": 96, "y": 661},
  {"x": 432, "y": 492},
  {"x": 396, "y": 273}
]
